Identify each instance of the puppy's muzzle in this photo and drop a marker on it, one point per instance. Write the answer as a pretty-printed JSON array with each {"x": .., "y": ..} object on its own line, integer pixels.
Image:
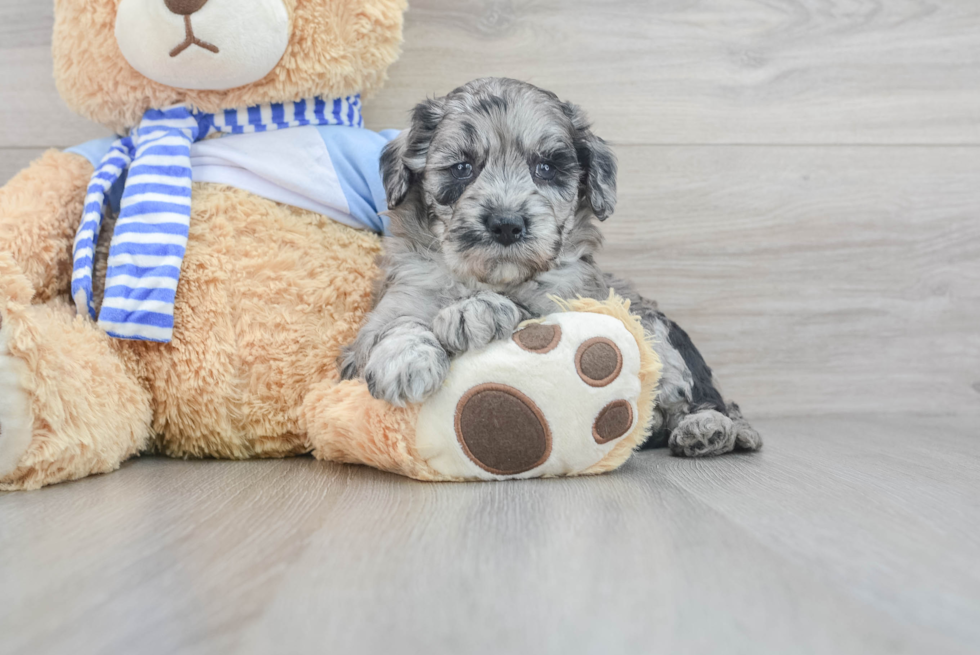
[{"x": 506, "y": 229}]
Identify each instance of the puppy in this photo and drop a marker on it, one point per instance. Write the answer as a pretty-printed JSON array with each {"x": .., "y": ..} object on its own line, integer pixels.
[{"x": 495, "y": 191}]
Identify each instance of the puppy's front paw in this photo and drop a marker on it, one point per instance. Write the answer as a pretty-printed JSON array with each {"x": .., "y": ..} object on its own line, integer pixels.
[
  {"x": 474, "y": 323},
  {"x": 407, "y": 366}
]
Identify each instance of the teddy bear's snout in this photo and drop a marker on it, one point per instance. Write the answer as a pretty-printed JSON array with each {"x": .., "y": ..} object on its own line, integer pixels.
[
  {"x": 203, "y": 44},
  {"x": 185, "y": 7}
]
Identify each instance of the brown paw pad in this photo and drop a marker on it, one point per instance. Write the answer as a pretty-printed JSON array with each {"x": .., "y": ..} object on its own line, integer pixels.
[
  {"x": 599, "y": 362},
  {"x": 501, "y": 430},
  {"x": 614, "y": 421},
  {"x": 538, "y": 338}
]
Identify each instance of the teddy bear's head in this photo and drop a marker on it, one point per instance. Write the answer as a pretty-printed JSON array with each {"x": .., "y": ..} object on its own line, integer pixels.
[{"x": 114, "y": 59}]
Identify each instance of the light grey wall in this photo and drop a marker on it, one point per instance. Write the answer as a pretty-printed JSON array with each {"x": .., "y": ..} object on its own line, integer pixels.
[{"x": 800, "y": 180}]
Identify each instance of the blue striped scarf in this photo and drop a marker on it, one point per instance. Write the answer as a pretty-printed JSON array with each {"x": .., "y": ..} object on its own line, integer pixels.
[{"x": 150, "y": 236}]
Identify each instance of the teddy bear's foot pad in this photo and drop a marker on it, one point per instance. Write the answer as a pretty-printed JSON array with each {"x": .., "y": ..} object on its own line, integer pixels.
[
  {"x": 501, "y": 430},
  {"x": 615, "y": 421},
  {"x": 553, "y": 400}
]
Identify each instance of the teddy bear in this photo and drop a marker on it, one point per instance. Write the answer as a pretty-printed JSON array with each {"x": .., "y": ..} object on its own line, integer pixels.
[{"x": 185, "y": 287}]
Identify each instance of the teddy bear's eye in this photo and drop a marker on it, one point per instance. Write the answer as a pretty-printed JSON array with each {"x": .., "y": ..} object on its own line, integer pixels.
[{"x": 462, "y": 170}]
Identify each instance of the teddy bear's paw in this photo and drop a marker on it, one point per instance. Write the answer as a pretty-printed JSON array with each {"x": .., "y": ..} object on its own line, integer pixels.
[
  {"x": 553, "y": 400},
  {"x": 15, "y": 419}
]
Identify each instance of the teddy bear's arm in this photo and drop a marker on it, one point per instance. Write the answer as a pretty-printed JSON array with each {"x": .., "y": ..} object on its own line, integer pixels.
[{"x": 40, "y": 209}]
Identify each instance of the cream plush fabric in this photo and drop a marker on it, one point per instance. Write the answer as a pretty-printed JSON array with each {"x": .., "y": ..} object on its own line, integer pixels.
[
  {"x": 252, "y": 35},
  {"x": 550, "y": 381}
]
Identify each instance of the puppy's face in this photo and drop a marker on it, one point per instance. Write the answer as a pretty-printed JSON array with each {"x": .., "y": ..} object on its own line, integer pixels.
[{"x": 503, "y": 175}]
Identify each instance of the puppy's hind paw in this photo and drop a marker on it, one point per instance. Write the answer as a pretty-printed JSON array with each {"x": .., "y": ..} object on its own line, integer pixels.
[
  {"x": 746, "y": 437},
  {"x": 703, "y": 434}
]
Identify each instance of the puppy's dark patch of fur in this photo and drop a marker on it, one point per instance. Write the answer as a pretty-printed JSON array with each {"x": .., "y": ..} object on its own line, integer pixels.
[
  {"x": 448, "y": 281},
  {"x": 703, "y": 392}
]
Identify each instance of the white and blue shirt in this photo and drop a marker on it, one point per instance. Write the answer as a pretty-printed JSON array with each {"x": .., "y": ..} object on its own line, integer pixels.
[{"x": 331, "y": 170}]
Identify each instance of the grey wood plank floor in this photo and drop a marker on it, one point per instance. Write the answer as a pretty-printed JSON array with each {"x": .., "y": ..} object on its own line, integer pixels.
[{"x": 846, "y": 535}]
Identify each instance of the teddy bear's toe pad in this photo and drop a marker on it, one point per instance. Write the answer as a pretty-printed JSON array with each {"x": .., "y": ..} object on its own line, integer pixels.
[
  {"x": 501, "y": 430},
  {"x": 598, "y": 362},
  {"x": 615, "y": 420},
  {"x": 553, "y": 400},
  {"x": 538, "y": 338}
]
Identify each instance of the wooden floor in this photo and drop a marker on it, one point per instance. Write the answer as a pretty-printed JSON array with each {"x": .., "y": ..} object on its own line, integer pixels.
[
  {"x": 800, "y": 188},
  {"x": 844, "y": 536}
]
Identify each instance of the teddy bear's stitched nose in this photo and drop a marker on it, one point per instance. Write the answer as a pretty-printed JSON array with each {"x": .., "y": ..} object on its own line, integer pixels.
[{"x": 185, "y": 7}]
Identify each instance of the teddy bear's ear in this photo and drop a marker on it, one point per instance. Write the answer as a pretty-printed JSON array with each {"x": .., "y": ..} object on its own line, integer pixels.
[
  {"x": 403, "y": 160},
  {"x": 598, "y": 164}
]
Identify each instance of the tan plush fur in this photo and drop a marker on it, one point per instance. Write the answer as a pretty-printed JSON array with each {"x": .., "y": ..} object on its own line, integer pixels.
[
  {"x": 268, "y": 294},
  {"x": 88, "y": 411},
  {"x": 346, "y": 424},
  {"x": 40, "y": 209},
  {"x": 338, "y": 47}
]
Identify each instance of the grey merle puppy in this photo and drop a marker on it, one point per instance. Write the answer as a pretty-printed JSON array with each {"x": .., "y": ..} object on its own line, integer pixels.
[{"x": 495, "y": 191}]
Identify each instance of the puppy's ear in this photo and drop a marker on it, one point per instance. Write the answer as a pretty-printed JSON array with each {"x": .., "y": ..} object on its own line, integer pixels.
[
  {"x": 598, "y": 164},
  {"x": 403, "y": 160},
  {"x": 394, "y": 174}
]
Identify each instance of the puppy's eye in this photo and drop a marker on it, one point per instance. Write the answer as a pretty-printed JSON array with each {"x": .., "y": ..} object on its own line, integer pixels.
[
  {"x": 462, "y": 171},
  {"x": 545, "y": 171}
]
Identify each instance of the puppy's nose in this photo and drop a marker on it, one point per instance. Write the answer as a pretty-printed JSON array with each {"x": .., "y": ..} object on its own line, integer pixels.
[
  {"x": 506, "y": 229},
  {"x": 185, "y": 7}
]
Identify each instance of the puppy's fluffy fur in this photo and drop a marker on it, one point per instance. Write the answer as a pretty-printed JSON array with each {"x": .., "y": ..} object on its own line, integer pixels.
[{"x": 499, "y": 152}]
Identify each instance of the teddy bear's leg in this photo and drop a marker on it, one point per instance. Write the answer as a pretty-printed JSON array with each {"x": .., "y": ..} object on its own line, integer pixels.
[
  {"x": 40, "y": 210},
  {"x": 71, "y": 403},
  {"x": 346, "y": 424},
  {"x": 572, "y": 395}
]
